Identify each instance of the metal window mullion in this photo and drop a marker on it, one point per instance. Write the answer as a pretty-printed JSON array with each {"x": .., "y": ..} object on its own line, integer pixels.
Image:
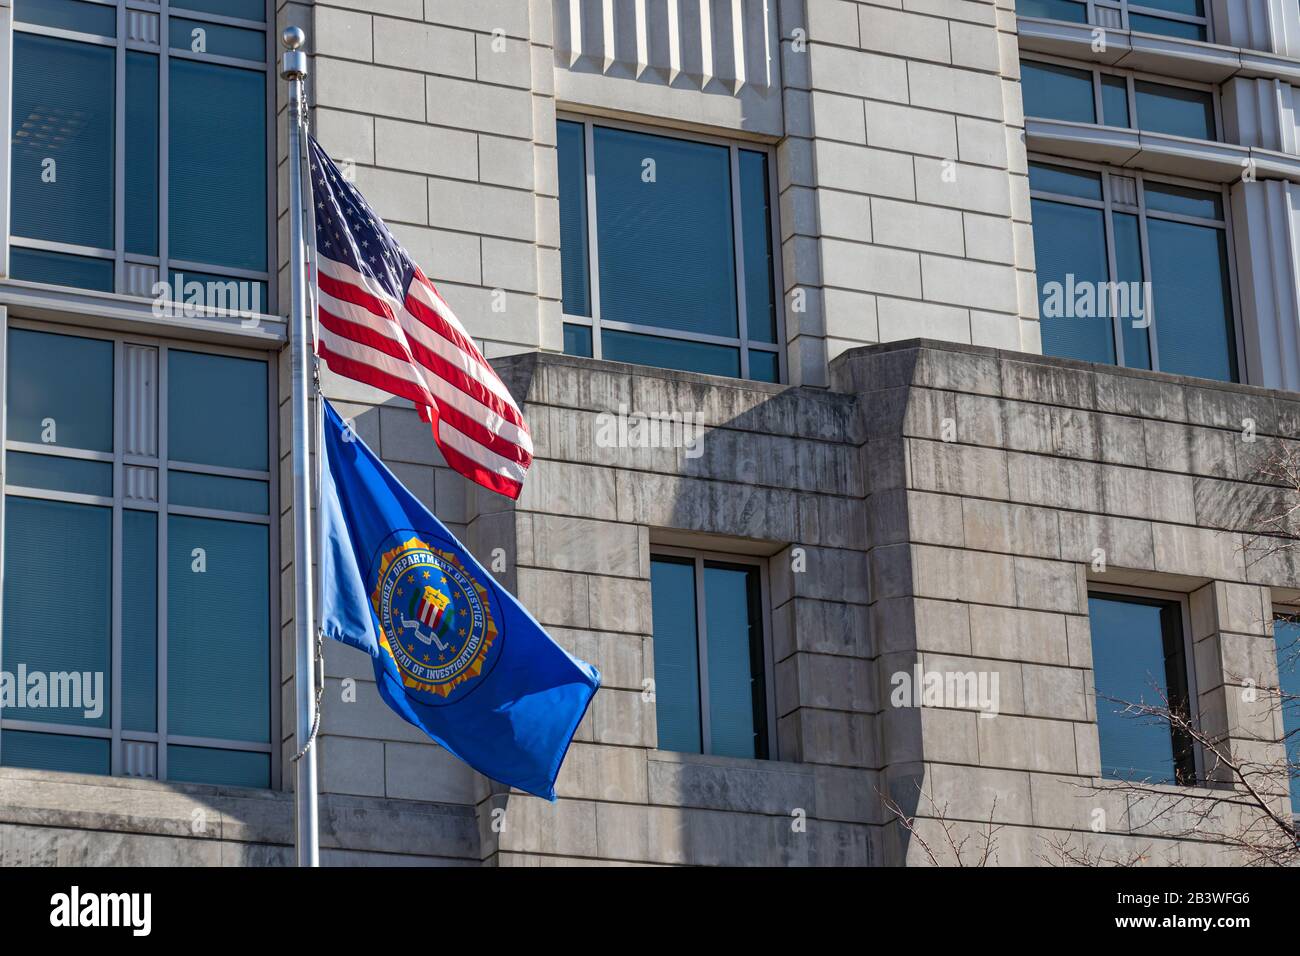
[
  {"x": 1098, "y": 108},
  {"x": 4, "y": 419},
  {"x": 164, "y": 155},
  {"x": 119, "y": 150},
  {"x": 116, "y": 761},
  {"x": 738, "y": 256},
  {"x": 1153, "y": 337},
  {"x": 274, "y": 634},
  {"x": 701, "y": 644},
  {"x": 1112, "y": 270},
  {"x": 272, "y": 172},
  {"x": 593, "y": 255},
  {"x": 769, "y": 659},
  {"x": 1230, "y": 240},
  {"x": 777, "y": 276},
  {"x": 161, "y": 650}
]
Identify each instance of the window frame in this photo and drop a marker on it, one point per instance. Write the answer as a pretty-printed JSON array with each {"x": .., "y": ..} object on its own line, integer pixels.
[
  {"x": 595, "y": 321},
  {"x": 1108, "y": 205},
  {"x": 1131, "y": 79},
  {"x": 1124, "y": 7},
  {"x": 1291, "y": 612},
  {"x": 699, "y": 558},
  {"x": 1104, "y": 590},
  {"x": 117, "y": 502},
  {"x": 123, "y": 261}
]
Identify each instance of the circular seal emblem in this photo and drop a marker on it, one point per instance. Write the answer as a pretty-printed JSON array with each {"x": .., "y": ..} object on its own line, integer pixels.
[{"x": 435, "y": 621}]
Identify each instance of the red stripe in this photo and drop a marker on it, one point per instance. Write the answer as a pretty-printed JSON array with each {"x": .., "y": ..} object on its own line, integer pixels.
[
  {"x": 471, "y": 427},
  {"x": 444, "y": 328},
  {"x": 476, "y": 472},
  {"x": 361, "y": 372},
  {"x": 356, "y": 295},
  {"x": 457, "y": 378},
  {"x": 475, "y": 430},
  {"x": 363, "y": 334}
]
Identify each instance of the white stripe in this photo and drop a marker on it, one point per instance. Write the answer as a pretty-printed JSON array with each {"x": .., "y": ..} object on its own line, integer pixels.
[
  {"x": 364, "y": 354},
  {"x": 440, "y": 393},
  {"x": 413, "y": 327},
  {"x": 480, "y": 454},
  {"x": 441, "y": 389}
]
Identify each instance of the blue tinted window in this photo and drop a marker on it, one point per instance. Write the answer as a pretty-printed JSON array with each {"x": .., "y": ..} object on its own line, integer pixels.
[
  {"x": 59, "y": 474},
  {"x": 1114, "y": 100},
  {"x": 763, "y": 366},
  {"x": 141, "y": 153},
  {"x": 1065, "y": 181},
  {"x": 1057, "y": 92},
  {"x": 756, "y": 242},
  {"x": 676, "y": 654},
  {"x": 1138, "y": 658},
  {"x": 577, "y": 339},
  {"x": 245, "y": 296},
  {"x": 1198, "y": 203},
  {"x": 187, "y": 488},
  {"x": 218, "y": 629},
  {"x": 230, "y": 433},
  {"x": 574, "y": 260},
  {"x": 216, "y": 39},
  {"x": 1169, "y": 28},
  {"x": 737, "y": 701},
  {"x": 62, "y": 752},
  {"x": 1128, "y": 262},
  {"x": 217, "y": 165},
  {"x": 1053, "y": 10},
  {"x": 669, "y": 353},
  {"x": 57, "y": 611},
  {"x": 235, "y": 768},
  {"x": 241, "y": 9},
  {"x": 62, "y": 174},
  {"x": 42, "y": 408},
  {"x": 57, "y": 268},
  {"x": 139, "y": 620},
  {"x": 1287, "y": 634},
  {"x": 1190, "y": 8},
  {"x": 665, "y": 233},
  {"x": 1193, "y": 312},
  {"x": 1070, "y": 252},
  {"x": 72, "y": 15},
  {"x": 1174, "y": 110}
]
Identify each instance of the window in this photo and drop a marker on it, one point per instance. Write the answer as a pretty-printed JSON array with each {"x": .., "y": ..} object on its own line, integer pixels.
[
  {"x": 1184, "y": 19},
  {"x": 1060, "y": 92},
  {"x": 1139, "y": 656},
  {"x": 711, "y": 655},
  {"x": 1286, "y": 633},
  {"x": 666, "y": 251},
  {"x": 1133, "y": 271},
  {"x": 135, "y": 160},
  {"x": 137, "y": 557}
]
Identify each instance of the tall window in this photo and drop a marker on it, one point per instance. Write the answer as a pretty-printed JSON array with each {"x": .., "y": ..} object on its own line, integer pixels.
[
  {"x": 137, "y": 559},
  {"x": 1184, "y": 19},
  {"x": 711, "y": 692},
  {"x": 1139, "y": 656},
  {"x": 1286, "y": 632},
  {"x": 139, "y": 144},
  {"x": 666, "y": 251},
  {"x": 1133, "y": 271}
]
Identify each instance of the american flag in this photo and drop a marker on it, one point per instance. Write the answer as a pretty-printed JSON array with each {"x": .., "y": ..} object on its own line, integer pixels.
[{"x": 383, "y": 323}]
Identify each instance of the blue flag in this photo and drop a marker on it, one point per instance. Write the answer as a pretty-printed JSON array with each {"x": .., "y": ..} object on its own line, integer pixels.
[{"x": 455, "y": 654}]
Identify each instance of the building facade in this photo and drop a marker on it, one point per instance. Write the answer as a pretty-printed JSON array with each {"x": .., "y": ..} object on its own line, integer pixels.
[{"x": 899, "y": 375}]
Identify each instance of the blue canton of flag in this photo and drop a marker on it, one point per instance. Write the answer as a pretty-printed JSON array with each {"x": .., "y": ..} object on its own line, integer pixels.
[{"x": 454, "y": 653}]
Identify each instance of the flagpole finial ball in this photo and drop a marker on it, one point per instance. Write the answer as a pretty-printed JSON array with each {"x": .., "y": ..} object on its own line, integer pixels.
[{"x": 293, "y": 38}]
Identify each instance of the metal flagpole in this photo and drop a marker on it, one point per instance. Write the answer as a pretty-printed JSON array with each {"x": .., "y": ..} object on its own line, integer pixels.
[{"x": 294, "y": 69}]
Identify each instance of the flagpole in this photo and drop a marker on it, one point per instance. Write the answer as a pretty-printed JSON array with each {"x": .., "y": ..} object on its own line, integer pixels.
[{"x": 294, "y": 69}]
